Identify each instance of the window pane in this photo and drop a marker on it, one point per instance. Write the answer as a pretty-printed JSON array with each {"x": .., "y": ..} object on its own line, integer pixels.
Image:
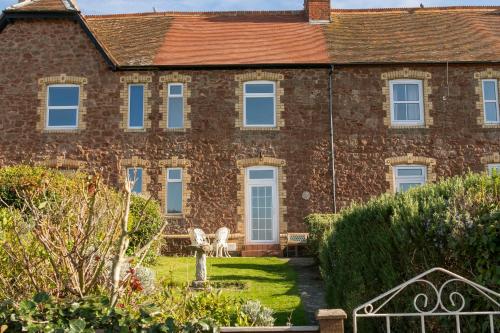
[
  {"x": 489, "y": 91},
  {"x": 413, "y": 111},
  {"x": 62, "y": 117},
  {"x": 403, "y": 187},
  {"x": 400, "y": 111},
  {"x": 174, "y": 174},
  {"x": 175, "y": 89},
  {"x": 259, "y": 88},
  {"x": 63, "y": 96},
  {"x": 399, "y": 93},
  {"x": 410, "y": 172},
  {"x": 412, "y": 92},
  {"x": 491, "y": 111},
  {"x": 135, "y": 175},
  {"x": 175, "y": 112},
  {"x": 494, "y": 169},
  {"x": 261, "y": 174},
  {"x": 260, "y": 111},
  {"x": 136, "y": 112},
  {"x": 174, "y": 198}
]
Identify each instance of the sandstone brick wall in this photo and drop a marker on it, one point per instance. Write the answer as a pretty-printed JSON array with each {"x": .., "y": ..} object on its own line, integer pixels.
[
  {"x": 213, "y": 144},
  {"x": 455, "y": 139}
]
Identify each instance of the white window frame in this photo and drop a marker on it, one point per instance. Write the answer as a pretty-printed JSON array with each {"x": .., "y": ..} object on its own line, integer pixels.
[
  {"x": 398, "y": 180},
  {"x": 181, "y": 180},
  {"x": 142, "y": 176},
  {"x": 176, "y": 96},
  {"x": 420, "y": 103},
  {"x": 77, "y": 107},
  {"x": 143, "y": 104},
  {"x": 275, "y": 200},
  {"x": 254, "y": 95},
  {"x": 486, "y": 121},
  {"x": 492, "y": 166}
]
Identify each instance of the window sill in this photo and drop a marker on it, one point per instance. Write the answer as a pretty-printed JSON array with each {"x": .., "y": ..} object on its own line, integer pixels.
[
  {"x": 178, "y": 130},
  {"x": 260, "y": 128},
  {"x": 135, "y": 130},
  {"x": 62, "y": 130},
  {"x": 175, "y": 216},
  {"x": 402, "y": 126},
  {"x": 492, "y": 125}
]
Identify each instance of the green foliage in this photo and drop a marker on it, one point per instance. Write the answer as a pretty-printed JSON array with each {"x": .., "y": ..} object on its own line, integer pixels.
[
  {"x": 318, "y": 225},
  {"x": 144, "y": 223},
  {"x": 173, "y": 310},
  {"x": 454, "y": 224}
]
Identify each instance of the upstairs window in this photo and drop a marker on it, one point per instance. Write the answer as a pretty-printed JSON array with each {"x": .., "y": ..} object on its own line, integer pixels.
[
  {"x": 136, "y": 106},
  {"x": 494, "y": 169},
  {"x": 135, "y": 176},
  {"x": 259, "y": 104},
  {"x": 407, "y": 107},
  {"x": 174, "y": 191},
  {"x": 490, "y": 98},
  {"x": 62, "y": 106},
  {"x": 409, "y": 176},
  {"x": 175, "y": 106}
]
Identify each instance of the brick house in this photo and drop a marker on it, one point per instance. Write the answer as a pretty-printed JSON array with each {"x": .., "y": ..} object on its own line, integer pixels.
[{"x": 252, "y": 120}]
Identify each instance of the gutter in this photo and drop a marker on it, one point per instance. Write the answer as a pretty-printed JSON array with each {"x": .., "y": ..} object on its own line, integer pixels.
[{"x": 332, "y": 141}]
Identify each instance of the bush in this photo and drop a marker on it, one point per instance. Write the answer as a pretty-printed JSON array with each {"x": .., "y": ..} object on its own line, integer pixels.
[
  {"x": 318, "y": 225},
  {"x": 173, "y": 310},
  {"x": 63, "y": 226},
  {"x": 454, "y": 224},
  {"x": 144, "y": 222}
]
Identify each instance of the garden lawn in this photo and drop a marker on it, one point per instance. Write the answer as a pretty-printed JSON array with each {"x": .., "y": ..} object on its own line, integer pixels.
[{"x": 269, "y": 280}]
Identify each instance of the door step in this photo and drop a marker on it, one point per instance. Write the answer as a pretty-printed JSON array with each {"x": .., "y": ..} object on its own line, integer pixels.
[{"x": 266, "y": 250}]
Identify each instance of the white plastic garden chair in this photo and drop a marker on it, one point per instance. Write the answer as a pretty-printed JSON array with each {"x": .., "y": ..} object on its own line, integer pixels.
[{"x": 219, "y": 245}]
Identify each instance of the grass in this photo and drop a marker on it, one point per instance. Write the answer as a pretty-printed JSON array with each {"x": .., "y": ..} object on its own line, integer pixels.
[{"x": 269, "y": 280}]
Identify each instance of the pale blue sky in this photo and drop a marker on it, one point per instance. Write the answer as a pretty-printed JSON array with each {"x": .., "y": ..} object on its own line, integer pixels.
[{"x": 127, "y": 6}]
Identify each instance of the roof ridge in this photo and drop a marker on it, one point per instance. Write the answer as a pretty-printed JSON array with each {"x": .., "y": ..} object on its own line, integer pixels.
[
  {"x": 406, "y": 9},
  {"x": 203, "y": 13},
  {"x": 68, "y": 4}
]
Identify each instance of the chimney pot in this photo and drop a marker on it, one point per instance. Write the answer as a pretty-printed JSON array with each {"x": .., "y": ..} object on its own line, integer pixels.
[{"x": 317, "y": 11}]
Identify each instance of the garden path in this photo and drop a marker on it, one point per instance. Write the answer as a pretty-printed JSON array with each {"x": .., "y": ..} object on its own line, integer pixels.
[{"x": 310, "y": 285}]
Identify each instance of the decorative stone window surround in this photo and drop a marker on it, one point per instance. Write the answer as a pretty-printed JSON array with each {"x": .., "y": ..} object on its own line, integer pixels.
[
  {"x": 409, "y": 159},
  {"x": 175, "y": 78},
  {"x": 63, "y": 163},
  {"x": 135, "y": 78},
  {"x": 43, "y": 84},
  {"x": 490, "y": 159},
  {"x": 175, "y": 162},
  {"x": 407, "y": 73},
  {"x": 136, "y": 162},
  {"x": 259, "y": 76},
  {"x": 480, "y": 76},
  {"x": 261, "y": 161}
]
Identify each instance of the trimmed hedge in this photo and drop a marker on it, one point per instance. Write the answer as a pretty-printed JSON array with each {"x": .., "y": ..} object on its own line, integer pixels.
[{"x": 374, "y": 247}]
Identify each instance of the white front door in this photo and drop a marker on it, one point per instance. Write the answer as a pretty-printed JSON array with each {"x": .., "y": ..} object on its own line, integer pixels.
[{"x": 261, "y": 205}]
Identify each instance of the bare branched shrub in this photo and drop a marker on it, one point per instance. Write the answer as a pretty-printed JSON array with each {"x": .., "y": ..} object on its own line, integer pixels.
[{"x": 69, "y": 242}]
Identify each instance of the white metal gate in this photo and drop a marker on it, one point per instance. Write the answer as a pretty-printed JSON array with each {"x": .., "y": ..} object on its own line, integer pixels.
[{"x": 375, "y": 307}]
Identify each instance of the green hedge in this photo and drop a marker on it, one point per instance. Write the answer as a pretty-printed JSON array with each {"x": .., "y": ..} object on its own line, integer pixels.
[
  {"x": 318, "y": 225},
  {"x": 454, "y": 224}
]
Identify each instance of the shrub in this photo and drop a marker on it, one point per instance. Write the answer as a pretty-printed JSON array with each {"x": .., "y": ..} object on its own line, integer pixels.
[
  {"x": 454, "y": 224},
  {"x": 173, "y": 310},
  {"x": 318, "y": 225},
  {"x": 144, "y": 222}
]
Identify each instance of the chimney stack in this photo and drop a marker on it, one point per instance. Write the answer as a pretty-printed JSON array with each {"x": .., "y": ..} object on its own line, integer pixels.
[{"x": 317, "y": 11}]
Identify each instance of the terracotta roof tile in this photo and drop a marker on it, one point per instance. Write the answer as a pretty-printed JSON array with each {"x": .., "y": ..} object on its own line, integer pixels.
[
  {"x": 44, "y": 5},
  {"x": 211, "y": 38},
  {"x": 131, "y": 40},
  {"x": 454, "y": 34}
]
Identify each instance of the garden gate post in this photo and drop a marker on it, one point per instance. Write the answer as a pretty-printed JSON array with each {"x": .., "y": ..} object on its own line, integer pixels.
[{"x": 331, "y": 321}]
